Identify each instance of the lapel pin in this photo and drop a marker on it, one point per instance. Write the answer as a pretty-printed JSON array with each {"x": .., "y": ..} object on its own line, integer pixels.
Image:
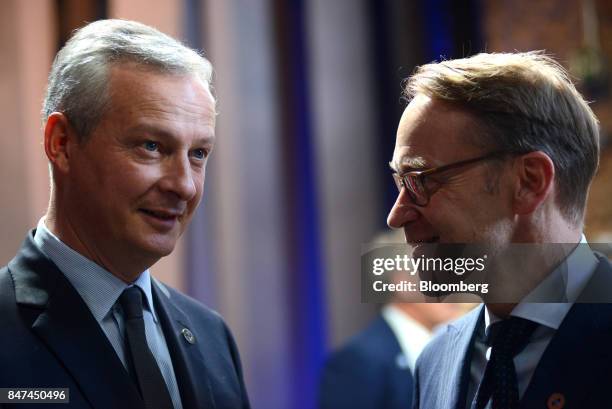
[
  {"x": 188, "y": 335},
  {"x": 556, "y": 401}
]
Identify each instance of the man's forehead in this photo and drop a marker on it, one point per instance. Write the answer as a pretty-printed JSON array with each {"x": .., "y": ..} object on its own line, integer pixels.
[
  {"x": 414, "y": 113},
  {"x": 132, "y": 86},
  {"x": 411, "y": 149},
  {"x": 130, "y": 72},
  {"x": 432, "y": 132}
]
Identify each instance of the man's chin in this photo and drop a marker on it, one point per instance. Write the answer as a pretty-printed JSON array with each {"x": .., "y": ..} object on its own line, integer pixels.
[{"x": 158, "y": 247}]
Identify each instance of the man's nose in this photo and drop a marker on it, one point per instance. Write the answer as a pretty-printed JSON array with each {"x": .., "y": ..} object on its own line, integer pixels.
[
  {"x": 179, "y": 179},
  {"x": 403, "y": 211}
]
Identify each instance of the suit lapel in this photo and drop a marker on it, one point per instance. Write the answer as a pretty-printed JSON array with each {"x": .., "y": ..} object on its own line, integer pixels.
[
  {"x": 69, "y": 330},
  {"x": 597, "y": 289},
  {"x": 453, "y": 374},
  {"x": 189, "y": 367},
  {"x": 580, "y": 346},
  {"x": 464, "y": 344},
  {"x": 566, "y": 357}
]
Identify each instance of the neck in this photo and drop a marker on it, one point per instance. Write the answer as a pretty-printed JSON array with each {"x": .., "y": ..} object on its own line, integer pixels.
[
  {"x": 501, "y": 310},
  {"x": 551, "y": 231},
  {"x": 63, "y": 228},
  {"x": 546, "y": 226}
]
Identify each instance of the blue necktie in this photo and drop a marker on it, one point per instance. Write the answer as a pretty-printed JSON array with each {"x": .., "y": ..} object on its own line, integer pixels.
[{"x": 507, "y": 338}]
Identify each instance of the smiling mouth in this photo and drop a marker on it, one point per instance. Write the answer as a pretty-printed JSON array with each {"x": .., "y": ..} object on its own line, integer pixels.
[
  {"x": 430, "y": 240},
  {"x": 160, "y": 214}
]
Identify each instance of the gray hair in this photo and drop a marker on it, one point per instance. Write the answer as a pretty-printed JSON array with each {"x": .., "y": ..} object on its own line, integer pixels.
[
  {"x": 526, "y": 102},
  {"x": 78, "y": 79}
]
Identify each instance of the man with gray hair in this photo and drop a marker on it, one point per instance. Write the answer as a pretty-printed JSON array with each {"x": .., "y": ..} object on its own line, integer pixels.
[
  {"x": 128, "y": 127},
  {"x": 499, "y": 149}
]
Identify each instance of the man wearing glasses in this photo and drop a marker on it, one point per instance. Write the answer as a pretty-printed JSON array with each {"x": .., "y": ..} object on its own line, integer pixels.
[{"x": 501, "y": 149}]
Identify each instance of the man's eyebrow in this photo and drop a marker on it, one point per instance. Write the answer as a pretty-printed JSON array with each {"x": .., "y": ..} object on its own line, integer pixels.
[
  {"x": 160, "y": 132},
  {"x": 408, "y": 164}
]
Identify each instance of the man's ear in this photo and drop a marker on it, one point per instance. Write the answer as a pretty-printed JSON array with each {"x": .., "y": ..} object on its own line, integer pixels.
[
  {"x": 59, "y": 135},
  {"x": 535, "y": 173}
]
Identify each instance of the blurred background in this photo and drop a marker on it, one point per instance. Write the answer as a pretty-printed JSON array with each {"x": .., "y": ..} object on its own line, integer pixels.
[{"x": 309, "y": 98}]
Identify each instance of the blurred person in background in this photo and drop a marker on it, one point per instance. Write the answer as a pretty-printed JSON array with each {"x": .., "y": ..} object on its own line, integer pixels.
[
  {"x": 375, "y": 368},
  {"x": 501, "y": 149},
  {"x": 129, "y": 125}
]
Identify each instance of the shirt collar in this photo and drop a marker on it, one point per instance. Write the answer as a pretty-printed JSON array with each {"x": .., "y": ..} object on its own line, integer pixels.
[
  {"x": 98, "y": 287},
  {"x": 575, "y": 273}
]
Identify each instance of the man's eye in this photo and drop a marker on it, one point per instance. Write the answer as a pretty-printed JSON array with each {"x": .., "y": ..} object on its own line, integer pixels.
[
  {"x": 432, "y": 183},
  {"x": 151, "y": 146},
  {"x": 199, "y": 153}
]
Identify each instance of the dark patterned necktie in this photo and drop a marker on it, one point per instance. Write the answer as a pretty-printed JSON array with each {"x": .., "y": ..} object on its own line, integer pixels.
[
  {"x": 148, "y": 376},
  {"x": 507, "y": 338}
]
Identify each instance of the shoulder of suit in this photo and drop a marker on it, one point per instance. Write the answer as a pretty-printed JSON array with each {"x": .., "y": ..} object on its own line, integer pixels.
[
  {"x": 187, "y": 303},
  {"x": 465, "y": 321},
  {"x": 441, "y": 337},
  {"x": 373, "y": 343}
]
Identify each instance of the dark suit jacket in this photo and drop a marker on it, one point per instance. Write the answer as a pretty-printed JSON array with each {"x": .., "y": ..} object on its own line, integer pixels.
[
  {"x": 370, "y": 372},
  {"x": 577, "y": 362},
  {"x": 50, "y": 339}
]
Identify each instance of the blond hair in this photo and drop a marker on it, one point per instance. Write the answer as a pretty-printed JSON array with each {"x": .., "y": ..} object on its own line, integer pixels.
[{"x": 526, "y": 102}]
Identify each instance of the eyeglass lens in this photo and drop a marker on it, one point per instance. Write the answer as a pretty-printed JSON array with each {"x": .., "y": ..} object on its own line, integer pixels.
[{"x": 415, "y": 187}]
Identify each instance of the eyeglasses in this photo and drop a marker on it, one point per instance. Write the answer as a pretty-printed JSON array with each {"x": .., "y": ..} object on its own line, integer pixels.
[{"x": 419, "y": 184}]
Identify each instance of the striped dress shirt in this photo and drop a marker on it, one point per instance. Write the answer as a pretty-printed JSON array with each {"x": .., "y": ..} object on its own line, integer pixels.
[{"x": 100, "y": 290}]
